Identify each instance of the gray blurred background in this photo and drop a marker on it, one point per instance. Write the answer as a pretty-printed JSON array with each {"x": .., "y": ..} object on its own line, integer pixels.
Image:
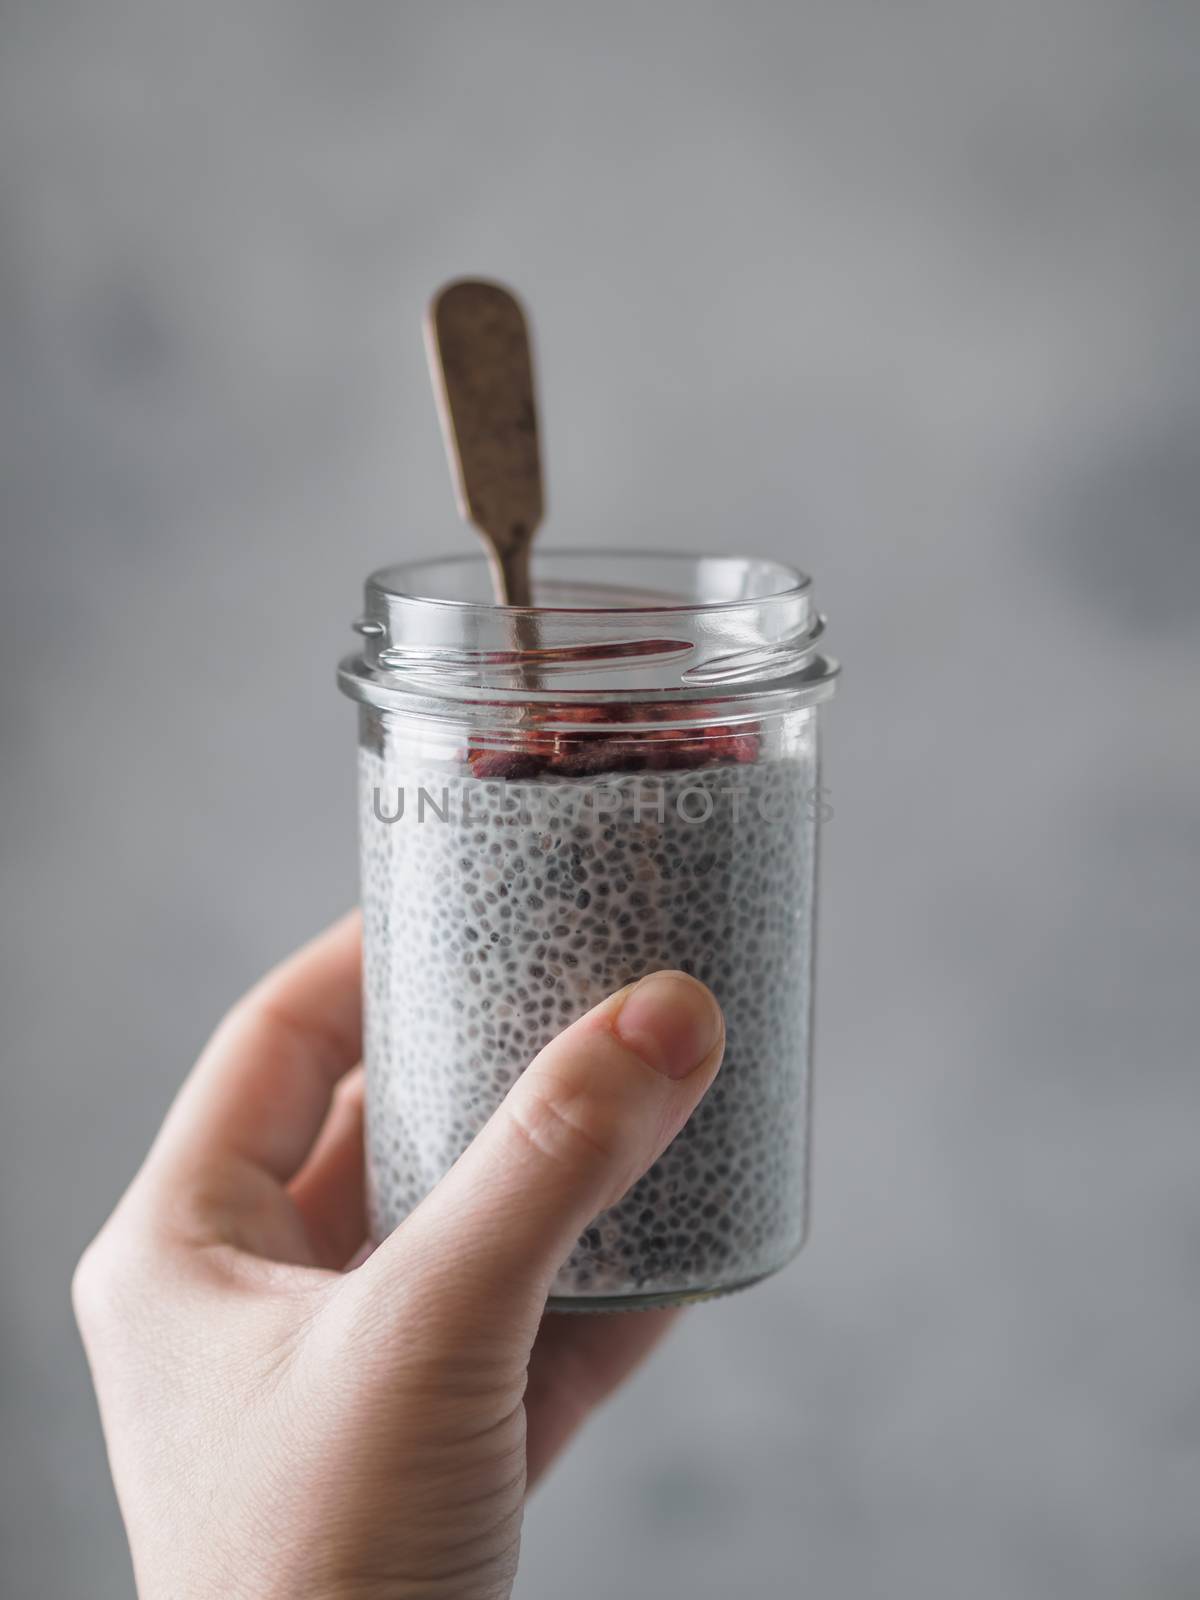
[{"x": 905, "y": 293}]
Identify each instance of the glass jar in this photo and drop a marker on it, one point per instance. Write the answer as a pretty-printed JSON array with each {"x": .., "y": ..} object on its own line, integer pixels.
[{"x": 556, "y": 801}]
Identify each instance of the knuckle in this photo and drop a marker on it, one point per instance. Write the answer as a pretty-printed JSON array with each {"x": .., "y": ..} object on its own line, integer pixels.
[
  {"x": 350, "y": 1092},
  {"x": 570, "y": 1129},
  {"x": 91, "y": 1282},
  {"x": 106, "y": 1276}
]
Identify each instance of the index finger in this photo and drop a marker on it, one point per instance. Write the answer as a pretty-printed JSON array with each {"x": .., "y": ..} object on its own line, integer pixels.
[{"x": 264, "y": 1082}]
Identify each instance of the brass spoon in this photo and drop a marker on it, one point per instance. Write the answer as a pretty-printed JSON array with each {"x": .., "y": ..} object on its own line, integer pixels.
[{"x": 482, "y": 369}]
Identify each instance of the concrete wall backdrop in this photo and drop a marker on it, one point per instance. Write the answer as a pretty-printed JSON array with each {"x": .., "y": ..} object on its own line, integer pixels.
[{"x": 906, "y": 293}]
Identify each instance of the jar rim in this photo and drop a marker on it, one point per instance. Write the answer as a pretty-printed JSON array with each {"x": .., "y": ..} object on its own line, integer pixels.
[
  {"x": 620, "y": 624},
  {"x": 394, "y": 582}
]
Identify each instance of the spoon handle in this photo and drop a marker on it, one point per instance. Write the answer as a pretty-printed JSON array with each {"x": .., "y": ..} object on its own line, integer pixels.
[{"x": 479, "y": 356}]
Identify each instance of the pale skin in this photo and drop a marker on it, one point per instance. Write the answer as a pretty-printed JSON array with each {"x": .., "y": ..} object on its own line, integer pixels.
[{"x": 290, "y": 1421}]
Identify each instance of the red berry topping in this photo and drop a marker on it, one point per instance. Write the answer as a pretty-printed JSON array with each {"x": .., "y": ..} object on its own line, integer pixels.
[
  {"x": 514, "y": 765},
  {"x": 592, "y": 753}
]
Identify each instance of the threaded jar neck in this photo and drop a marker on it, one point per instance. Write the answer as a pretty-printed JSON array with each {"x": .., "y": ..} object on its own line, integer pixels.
[{"x": 606, "y": 626}]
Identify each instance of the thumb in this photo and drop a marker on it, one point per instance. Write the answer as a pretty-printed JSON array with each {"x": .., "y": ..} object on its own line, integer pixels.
[{"x": 594, "y": 1109}]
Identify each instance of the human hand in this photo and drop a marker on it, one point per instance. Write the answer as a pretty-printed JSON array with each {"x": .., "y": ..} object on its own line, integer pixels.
[{"x": 279, "y": 1426}]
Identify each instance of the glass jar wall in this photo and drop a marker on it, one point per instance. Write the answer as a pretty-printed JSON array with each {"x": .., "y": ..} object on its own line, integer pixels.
[{"x": 555, "y": 802}]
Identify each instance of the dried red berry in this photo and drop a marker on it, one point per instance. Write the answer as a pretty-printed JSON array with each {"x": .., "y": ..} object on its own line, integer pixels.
[
  {"x": 512, "y": 765},
  {"x": 739, "y": 747},
  {"x": 581, "y": 758},
  {"x": 580, "y": 714}
]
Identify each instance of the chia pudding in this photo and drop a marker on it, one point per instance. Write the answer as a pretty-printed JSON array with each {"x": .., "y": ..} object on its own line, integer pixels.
[{"x": 505, "y": 894}]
